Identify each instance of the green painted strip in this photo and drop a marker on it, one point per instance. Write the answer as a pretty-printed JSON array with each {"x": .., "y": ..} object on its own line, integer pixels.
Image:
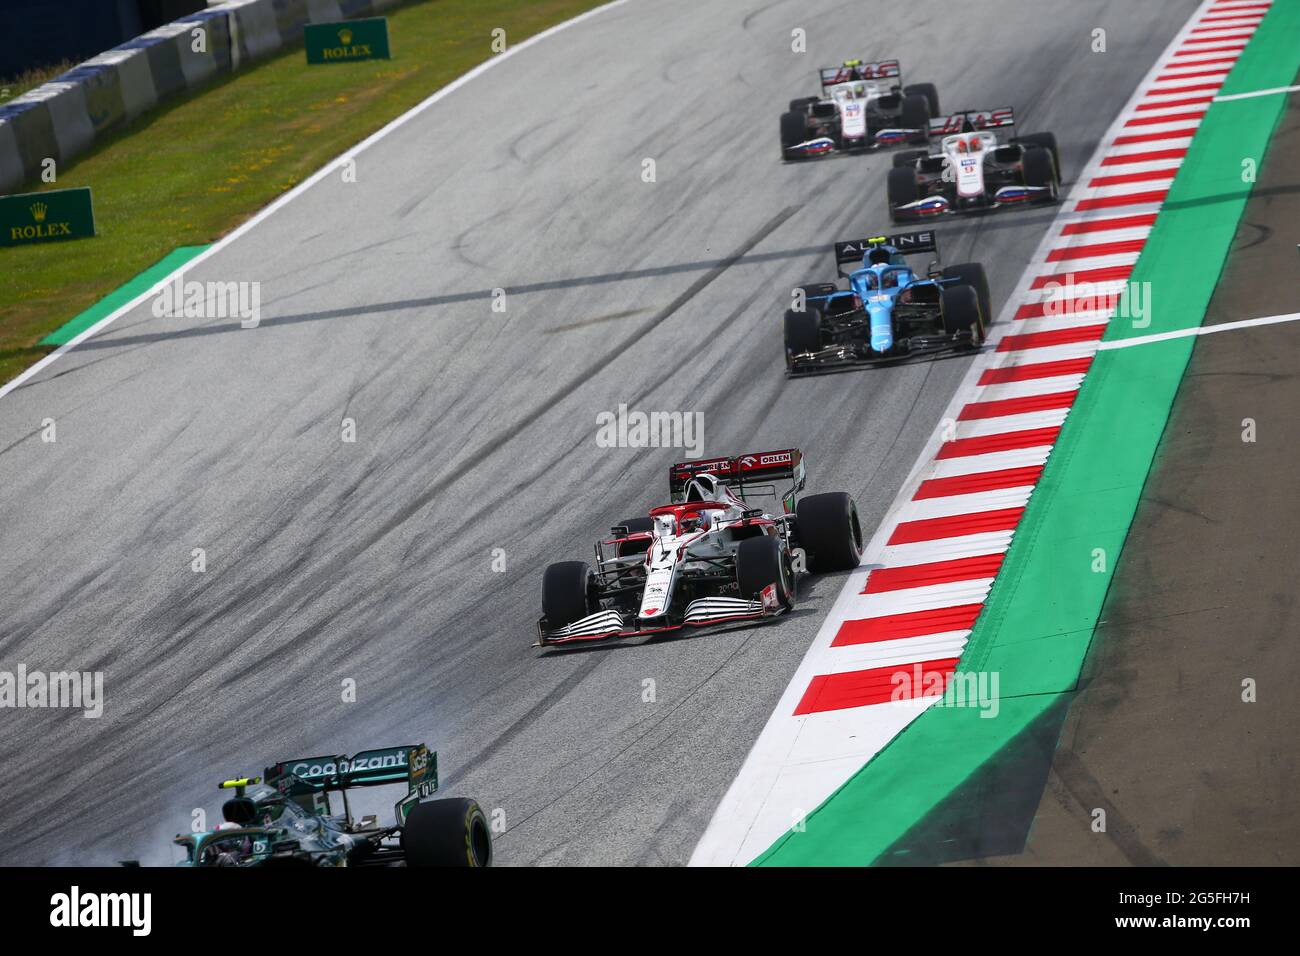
[
  {"x": 122, "y": 295},
  {"x": 1040, "y": 615}
]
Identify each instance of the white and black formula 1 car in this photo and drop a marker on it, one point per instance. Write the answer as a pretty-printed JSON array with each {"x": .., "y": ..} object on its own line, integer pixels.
[
  {"x": 862, "y": 106},
  {"x": 708, "y": 558},
  {"x": 974, "y": 170}
]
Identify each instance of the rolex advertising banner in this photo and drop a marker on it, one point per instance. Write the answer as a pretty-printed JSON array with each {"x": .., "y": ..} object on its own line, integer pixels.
[
  {"x": 345, "y": 42},
  {"x": 46, "y": 217}
]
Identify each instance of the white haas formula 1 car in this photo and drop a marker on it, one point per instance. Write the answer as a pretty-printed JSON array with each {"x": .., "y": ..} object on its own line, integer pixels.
[
  {"x": 862, "y": 106},
  {"x": 708, "y": 558},
  {"x": 974, "y": 171}
]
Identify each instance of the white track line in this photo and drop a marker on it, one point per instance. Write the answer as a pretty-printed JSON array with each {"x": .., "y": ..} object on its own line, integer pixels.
[
  {"x": 303, "y": 186},
  {"x": 1254, "y": 93},
  {"x": 1199, "y": 330}
]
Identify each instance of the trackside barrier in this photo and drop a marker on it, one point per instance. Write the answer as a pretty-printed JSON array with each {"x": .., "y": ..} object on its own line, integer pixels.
[{"x": 64, "y": 117}]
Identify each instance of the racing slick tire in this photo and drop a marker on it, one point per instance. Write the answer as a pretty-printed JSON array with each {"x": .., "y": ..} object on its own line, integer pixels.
[
  {"x": 1040, "y": 170},
  {"x": 450, "y": 832},
  {"x": 802, "y": 104},
  {"x": 637, "y": 525},
  {"x": 961, "y": 312},
  {"x": 902, "y": 188},
  {"x": 794, "y": 130},
  {"x": 803, "y": 330},
  {"x": 915, "y": 114},
  {"x": 973, "y": 275},
  {"x": 566, "y": 593},
  {"x": 829, "y": 531},
  {"x": 760, "y": 562},
  {"x": 908, "y": 157},
  {"x": 927, "y": 90},
  {"x": 1045, "y": 141}
]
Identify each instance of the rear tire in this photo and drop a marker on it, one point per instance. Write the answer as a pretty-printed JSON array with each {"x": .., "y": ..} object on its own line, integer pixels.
[
  {"x": 927, "y": 90},
  {"x": 803, "y": 104},
  {"x": 803, "y": 330},
  {"x": 961, "y": 312},
  {"x": 451, "y": 832},
  {"x": 902, "y": 188},
  {"x": 566, "y": 593},
  {"x": 760, "y": 562},
  {"x": 829, "y": 531},
  {"x": 794, "y": 130},
  {"x": 972, "y": 274}
]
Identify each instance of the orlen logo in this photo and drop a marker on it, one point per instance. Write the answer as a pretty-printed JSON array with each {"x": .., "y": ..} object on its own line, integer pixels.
[{"x": 750, "y": 461}]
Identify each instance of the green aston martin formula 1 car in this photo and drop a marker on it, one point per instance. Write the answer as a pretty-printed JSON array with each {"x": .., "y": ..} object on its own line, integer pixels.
[{"x": 286, "y": 818}]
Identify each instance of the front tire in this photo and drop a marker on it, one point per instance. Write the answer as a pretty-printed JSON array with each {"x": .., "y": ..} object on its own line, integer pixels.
[
  {"x": 450, "y": 832},
  {"x": 567, "y": 593},
  {"x": 794, "y": 130},
  {"x": 915, "y": 114},
  {"x": 803, "y": 330},
  {"x": 1045, "y": 141},
  {"x": 1040, "y": 170},
  {"x": 973, "y": 275},
  {"x": 908, "y": 157},
  {"x": 829, "y": 531},
  {"x": 927, "y": 90},
  {"x": 961, "y": 312},
  {"x": 760, "y": 562},
  {"x": 902, "y": 188}
]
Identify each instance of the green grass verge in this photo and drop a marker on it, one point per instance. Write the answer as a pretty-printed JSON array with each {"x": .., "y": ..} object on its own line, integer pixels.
[
  {"x": 1039, "y": 618},
  {"x": 192, "y": 170}
]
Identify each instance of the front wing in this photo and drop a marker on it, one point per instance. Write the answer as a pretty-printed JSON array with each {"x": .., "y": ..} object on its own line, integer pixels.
[
  {"x": 702, "y": 612},
  {"x": 843, "y": 357},
  {"x": 938, "y": 205}
]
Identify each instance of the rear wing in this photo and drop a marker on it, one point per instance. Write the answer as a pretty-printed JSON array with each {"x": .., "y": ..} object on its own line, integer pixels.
[
  {"x": 883, "y": 70},
  {"x": 308, "y": 777},
  {"x": 970, "y": 121},
  {"x": 741, "y": 472},
  {"x": 907, "y": 243},
  {"x": 369, "y": 768}
]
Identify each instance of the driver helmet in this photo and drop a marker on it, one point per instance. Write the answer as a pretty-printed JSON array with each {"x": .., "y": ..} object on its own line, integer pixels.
[{"x": 879, "y": 255}]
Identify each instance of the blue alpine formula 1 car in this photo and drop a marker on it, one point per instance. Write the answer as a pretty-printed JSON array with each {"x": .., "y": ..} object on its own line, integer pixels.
[{"x": 888, "y": 312}]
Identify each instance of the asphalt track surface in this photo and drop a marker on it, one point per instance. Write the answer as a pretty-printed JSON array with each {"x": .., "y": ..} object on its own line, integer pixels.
[{"x": 372, "y": 561}]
